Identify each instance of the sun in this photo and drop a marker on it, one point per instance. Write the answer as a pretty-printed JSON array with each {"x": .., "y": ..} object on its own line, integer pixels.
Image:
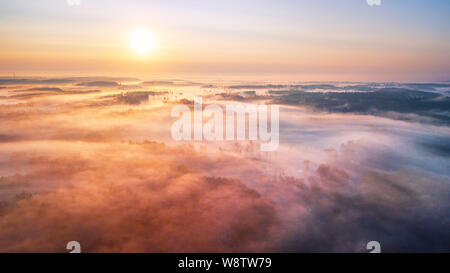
[{"x": 142, "y": 41}]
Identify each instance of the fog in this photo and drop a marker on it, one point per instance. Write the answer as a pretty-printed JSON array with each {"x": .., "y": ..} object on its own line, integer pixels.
[{"x": 92, "y": 160}]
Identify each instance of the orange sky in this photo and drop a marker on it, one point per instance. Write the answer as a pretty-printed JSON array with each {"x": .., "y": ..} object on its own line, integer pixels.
[{"x": 320, "y": 42}]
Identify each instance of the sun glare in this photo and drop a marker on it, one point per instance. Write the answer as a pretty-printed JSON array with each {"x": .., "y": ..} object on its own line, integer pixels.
[{"x": 142, "y": 41}]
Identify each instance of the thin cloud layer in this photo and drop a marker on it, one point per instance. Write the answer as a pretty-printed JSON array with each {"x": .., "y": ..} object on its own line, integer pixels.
[{"x": 85, "y": 167}]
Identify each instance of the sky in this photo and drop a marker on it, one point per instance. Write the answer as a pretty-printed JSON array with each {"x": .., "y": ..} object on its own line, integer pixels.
[{"x": 398, "y": 40}]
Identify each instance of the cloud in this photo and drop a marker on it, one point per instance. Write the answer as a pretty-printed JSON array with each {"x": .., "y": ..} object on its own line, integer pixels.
[
  {"x": 81, "y": 167},
  {"x": 61, "y": 81},
  {"x": 46, "y": 91},
  {"x": 209, "y": 86},
  {"x": 272, "y": 86},
  {"x": 427, "y": 103},
  {"x": 164, "y": 199},
  {"x": 99, "y": 84},
  {"x": 35, "y": 81},
  {"x": 54, "y": 89},
  {"x": 135, "y": 98},
  {"x": 175, "y": 83},
  {"x": 159, "y": 206}
]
